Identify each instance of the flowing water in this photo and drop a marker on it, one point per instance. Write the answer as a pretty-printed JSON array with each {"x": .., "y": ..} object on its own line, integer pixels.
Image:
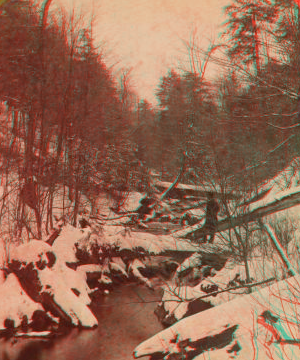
[{"x": 125, "y": 318}]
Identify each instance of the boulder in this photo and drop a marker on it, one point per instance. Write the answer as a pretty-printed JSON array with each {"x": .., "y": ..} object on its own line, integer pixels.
[
  {"x": 181, "y": 297},
  {"x": 16, "y": 306},
  {"x": 65, "y": 244},
  {"x": 90, "y": 272},
  {"x": 51, "y": 283}
]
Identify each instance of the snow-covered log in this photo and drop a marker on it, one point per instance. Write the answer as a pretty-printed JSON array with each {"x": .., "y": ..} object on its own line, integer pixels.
[
  {"x": 277, "y": 202},
  {"x": 182, "y": 190},
  {"x": 173, "y": 185},
  {"x": 280, "y": 249},
  {"x": 262, "y": 325}
]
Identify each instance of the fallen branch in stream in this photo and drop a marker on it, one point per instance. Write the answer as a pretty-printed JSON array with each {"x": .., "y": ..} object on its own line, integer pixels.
[{"x": 214, "y": 293}]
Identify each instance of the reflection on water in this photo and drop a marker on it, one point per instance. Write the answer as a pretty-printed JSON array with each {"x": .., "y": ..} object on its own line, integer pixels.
[{"x": 125, "y": 319}]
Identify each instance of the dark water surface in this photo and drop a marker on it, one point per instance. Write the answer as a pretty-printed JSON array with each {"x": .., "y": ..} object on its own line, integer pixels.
[{"x": 125, "y": 318}]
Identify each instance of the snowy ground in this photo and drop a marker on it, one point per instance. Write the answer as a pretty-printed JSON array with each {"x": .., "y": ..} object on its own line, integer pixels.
[{"x": 56, "y": 281}]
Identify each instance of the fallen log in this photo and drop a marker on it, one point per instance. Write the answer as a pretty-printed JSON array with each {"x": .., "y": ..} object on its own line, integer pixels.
[
  {"x": 280, "y": 250},
  {"x": 200, "y": 191},
  {"x": 281, "y": 201}
]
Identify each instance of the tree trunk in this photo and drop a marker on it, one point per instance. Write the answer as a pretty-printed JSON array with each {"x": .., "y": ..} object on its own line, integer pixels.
[
  {"x": 176, "y": 180},
  {"x": 76, "y": 205},
  {"x": 280, "y": 249}
]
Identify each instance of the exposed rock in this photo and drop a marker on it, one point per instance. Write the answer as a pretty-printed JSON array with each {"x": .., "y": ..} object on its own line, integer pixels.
[
  {"x": 41, "y": 321},
  {"x": 105, "y": 281}
]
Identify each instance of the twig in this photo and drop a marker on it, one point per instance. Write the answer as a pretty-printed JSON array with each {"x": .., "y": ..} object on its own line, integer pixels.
[
  {"x": 285, "y": 127},
  {"x": 115, "y": 218},
  {"x": 201, "y": 297},
  {"x": 235, "y": 288}
]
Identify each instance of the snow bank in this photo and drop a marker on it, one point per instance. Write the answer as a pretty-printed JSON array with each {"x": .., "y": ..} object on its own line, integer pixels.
[
  {"x": 153, "y": 244},
  {"x": 261, "y": 325},
  {"x": 193, "y": 280}
]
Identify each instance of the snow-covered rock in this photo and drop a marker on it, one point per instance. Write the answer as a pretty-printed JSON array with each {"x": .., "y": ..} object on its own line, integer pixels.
[
  {"x": 65, "y": 244},
  {"x": 153, "y": 244},
  {"x": 51, "y": 283},
  {"x": 37, "y": 253},
  {"x": 181, "y": 297},
  {"x": 90, "y": 271},
  {"x": 104, "y": 280},
  {"x": 261, "y": 325},
  {"x": 75, "y": 280},
  {"x": 16, "y": 305},
  {"x": 117, "y": 271},
  {"x": 134, "y": 270}
]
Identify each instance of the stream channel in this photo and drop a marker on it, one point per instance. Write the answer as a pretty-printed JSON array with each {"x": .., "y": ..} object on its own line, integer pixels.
[{"x": 125, "y": 318}]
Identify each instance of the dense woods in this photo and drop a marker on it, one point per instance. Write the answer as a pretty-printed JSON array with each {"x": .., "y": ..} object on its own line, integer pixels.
[
  {"x": 68, "y": 120},
  {"x": 64, "y": 120},
  {"x": 100, "y": 188}
]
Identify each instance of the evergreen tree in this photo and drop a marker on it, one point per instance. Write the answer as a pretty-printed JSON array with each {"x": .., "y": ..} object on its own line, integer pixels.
[{"x": 244, "y": 30}]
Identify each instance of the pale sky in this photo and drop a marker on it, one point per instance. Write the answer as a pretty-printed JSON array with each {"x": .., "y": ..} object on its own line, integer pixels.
[{"x": 147, "y": 34}]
